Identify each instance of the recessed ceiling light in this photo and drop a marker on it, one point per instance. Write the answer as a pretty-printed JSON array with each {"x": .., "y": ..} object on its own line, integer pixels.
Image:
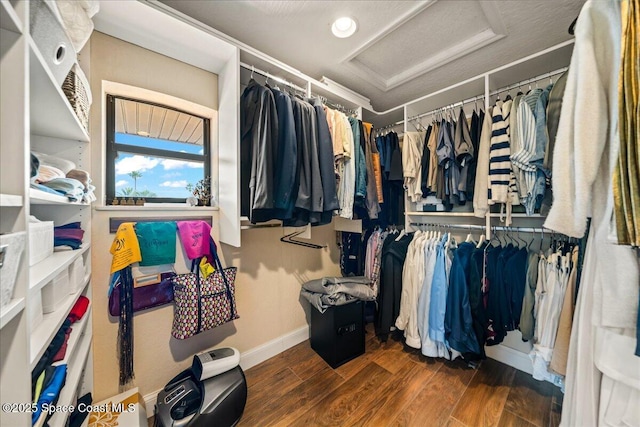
[{"x": 344, "y": 27}]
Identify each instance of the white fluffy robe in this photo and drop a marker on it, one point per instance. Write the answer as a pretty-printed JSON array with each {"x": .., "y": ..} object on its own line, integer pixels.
[{"x": 586, "y": 151}]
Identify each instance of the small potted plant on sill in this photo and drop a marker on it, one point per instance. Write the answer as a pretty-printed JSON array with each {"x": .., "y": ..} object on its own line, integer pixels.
[{"x": 201, "y": 191}]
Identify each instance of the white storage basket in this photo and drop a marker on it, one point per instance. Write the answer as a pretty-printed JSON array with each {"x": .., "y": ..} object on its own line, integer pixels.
[
  {"x": 40, "y": 241},
  {"x": 35, "y": 310},
  {"x": 76, "y": 275},
  {"x": 54, "y": 292},
  {"x": 12, "y": 246}
]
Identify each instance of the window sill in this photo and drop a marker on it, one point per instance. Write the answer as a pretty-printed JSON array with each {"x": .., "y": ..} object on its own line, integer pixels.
[{"x": 157, "y": 208}]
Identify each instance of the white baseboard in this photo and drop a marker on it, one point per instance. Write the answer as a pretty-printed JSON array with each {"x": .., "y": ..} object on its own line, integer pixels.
[
  {"x": 250, "y": 358},
  {"x": 511, "y": 357},
  {"x": 271, "y": 348}
]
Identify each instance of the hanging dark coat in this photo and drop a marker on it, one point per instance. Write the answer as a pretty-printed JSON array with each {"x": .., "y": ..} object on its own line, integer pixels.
[
  {"x": 458, "y": 323},
  {"x": 286, "y": 157},
  {"x": 258, "y": 149},
  {"x": 393, "y": 256},
  {"x": 325, "y": 155}
]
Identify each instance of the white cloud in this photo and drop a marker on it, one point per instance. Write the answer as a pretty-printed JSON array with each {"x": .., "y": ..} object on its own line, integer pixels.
[
  {"x": 135, "y": 163},
  {"x": 201, "y": 151},
  {"x": 174, "y": 184},
  {"x": 170, "y": 164},
  {"x": 171, "y": 175},
  {"x": 121, "y": 183}
]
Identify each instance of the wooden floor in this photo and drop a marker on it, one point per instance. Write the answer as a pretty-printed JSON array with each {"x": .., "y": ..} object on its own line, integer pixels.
[{"x": 393, "y": 385}]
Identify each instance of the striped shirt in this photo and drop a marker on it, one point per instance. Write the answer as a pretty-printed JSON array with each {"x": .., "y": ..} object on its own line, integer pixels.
[{"x": 499, "y": 162}]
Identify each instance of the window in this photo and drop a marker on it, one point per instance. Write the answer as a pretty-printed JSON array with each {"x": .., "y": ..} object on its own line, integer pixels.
[{"x": 154, "y": 152}]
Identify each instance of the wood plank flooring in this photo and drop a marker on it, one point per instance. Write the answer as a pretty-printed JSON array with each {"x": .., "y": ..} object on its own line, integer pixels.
[{"x": 394, "y": 385}]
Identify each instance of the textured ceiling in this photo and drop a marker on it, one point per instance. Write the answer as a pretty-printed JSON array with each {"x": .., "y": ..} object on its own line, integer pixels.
[{"x": 402, "y": 49}]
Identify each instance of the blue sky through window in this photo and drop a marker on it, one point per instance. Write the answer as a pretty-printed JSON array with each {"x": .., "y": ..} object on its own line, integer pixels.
[{"x": 161, "y": 176}]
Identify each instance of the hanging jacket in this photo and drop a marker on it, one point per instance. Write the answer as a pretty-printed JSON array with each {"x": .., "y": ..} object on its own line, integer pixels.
[
  {"x": 286, "y": 166},
  {"x": 412, "y": 150},
  {"x": 516, "y": 277},
  {"x": 325, "y": 156},
  {"x": 474, "y": 132},
  {"x": 372, "y": 204},
  {"x": 464, "y": 152},
  {"x": 480, "y": 191},
  {"x": 393, "y": 257},
  {"x": 412, "y": 274},
  {"x": 458, "y": 322},
  {"x": 478, "y": 311},
  {"x": 424, "y": 164},
  {"x": 258, "y": 148}
]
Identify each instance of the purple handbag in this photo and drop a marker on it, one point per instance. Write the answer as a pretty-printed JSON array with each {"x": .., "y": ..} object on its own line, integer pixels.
[{"x": 146, "y": 296}]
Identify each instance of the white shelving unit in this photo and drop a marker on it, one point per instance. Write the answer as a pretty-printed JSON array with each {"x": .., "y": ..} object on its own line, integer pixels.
[
  {"x": 11, "y": 310},
  {"x": 36, "y": 116},
  {"x": 14, "y": 209},
  {"x": 548, "y": 60},
  {"x": 41, "y": 335},
  {"x": 44, "y": 271},
  {"x": 512, "y": 351},
  {"x": 77, "y": 352},
  {"x": 39, "y": 197},
  {"x": 10, "y": 200}
]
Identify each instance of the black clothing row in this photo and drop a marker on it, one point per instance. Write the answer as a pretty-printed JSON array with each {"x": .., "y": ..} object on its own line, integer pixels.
[{"x": 286, "y": 158}]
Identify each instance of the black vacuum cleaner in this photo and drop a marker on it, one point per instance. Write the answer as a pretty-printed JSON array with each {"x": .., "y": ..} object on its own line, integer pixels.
[{"x": 213, "y": 392}]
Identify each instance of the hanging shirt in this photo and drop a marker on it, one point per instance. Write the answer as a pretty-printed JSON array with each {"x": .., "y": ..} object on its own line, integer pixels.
[
  {"x": 438, "y": 302},
  {"x": 481, "y": 189},
  {"x": 458, "y": 322},
  {"x": 325, "y": 157},
  {"x": 464, "y": 152},
  {"x": 429, "y": 347},
  {"x": 499, "y": 162},
  {"x": 413, "y": 147}
]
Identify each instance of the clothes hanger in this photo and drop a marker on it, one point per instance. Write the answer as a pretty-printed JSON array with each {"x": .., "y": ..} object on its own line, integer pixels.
[
  {"x": 470, "y": 238},
  {"x": 572, "y": 27},
  {"x": 481, "y": 240}
]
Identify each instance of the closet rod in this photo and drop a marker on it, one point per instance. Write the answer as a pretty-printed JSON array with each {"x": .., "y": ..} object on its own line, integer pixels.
[
  {"x": 335, "y": 106},
  {"x": 528, "y": 81},
  {"x": 446, "y": 107},
  {"x": 271, "y": 76},
  {"x": 482, "y": 227},
  {"x": 481, "y": 96}
]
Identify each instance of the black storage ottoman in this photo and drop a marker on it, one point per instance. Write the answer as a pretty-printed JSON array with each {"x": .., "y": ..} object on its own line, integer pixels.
[{"x": 338, "y": 334}]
